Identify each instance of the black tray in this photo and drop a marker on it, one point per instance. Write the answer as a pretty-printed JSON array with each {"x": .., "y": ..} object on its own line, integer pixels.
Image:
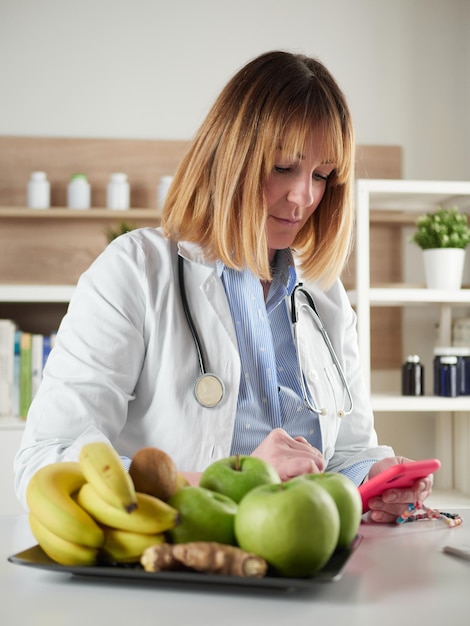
[{"x": 333, "y": 570}]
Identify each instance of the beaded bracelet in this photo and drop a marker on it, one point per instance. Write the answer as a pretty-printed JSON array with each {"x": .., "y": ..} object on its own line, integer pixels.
[{"x": 412, "y": 514}]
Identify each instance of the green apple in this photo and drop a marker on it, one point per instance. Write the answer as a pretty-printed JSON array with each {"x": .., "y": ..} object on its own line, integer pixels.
[
  {"x": 294, "y": 526},
  {"x": 204, "y": 516},
  {"x": 348, "y": 501},
  {"x": 236, "y": 475}
]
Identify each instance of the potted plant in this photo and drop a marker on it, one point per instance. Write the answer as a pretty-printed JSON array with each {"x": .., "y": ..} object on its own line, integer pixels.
[{"x": 443, "y": 236}]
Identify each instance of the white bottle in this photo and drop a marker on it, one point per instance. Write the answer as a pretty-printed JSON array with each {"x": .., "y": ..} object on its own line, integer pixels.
[
  {"x": 162, "y": 190},
  {"x": 39, "y": 191},
  {"x": 78, "y": 192},
  {"x": 118, "y": 192}
]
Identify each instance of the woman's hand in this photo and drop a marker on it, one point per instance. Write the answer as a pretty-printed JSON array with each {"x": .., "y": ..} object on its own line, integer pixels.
[
  {"x": 391, "y": 504},
  {"x": 290, "y": 456}
]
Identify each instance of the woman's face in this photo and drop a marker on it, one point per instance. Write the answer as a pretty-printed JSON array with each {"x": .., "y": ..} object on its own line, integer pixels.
[{"x": 294, "y": 190}]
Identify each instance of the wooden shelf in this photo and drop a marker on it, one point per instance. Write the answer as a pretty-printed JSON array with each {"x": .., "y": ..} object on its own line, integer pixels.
[
  {"x": 93, "y": 213},
  {"x": 55, "y": 246}
]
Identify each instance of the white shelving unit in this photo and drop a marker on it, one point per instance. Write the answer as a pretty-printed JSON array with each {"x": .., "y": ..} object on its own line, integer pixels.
[
  {"x": 404, "y": 196},
  {"x": 30, "y": 294},
  {"x": 412, "y": 197}
]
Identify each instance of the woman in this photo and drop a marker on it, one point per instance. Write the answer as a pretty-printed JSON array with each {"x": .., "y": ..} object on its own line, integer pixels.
[{"x": 262, "y": 198}]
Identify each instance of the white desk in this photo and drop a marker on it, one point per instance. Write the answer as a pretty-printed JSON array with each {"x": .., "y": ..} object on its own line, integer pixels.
[{"x": 398, "y": 575}]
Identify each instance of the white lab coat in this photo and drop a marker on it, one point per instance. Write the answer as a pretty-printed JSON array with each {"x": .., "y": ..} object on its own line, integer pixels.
[{"x": 124, "y": 365}]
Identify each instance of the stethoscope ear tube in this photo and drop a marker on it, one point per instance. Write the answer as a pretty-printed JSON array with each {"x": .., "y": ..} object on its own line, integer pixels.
[{"x": 294, "y": 311}]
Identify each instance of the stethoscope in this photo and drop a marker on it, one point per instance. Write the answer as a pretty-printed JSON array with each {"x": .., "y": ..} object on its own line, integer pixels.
[
  {"x": 309, "y": 305},
  {"x": 209, "y": 389}
]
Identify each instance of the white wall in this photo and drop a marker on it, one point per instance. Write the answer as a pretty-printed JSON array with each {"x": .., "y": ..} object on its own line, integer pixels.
[{"x": 151, "y": 69}]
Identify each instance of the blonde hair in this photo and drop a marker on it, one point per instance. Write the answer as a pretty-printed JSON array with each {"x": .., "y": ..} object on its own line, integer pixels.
[{"x": 217, "y": 197}]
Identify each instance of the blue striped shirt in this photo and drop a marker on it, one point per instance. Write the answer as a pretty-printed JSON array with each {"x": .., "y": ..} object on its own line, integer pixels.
[{"x": 270, "y": 395}]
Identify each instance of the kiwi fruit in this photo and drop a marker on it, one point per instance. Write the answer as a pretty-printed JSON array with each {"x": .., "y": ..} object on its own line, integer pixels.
[{"x": 154, "y": 472}]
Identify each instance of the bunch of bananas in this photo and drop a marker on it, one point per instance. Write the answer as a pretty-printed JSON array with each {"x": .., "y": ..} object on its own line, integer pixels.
[{"x": 85, "y": 511}]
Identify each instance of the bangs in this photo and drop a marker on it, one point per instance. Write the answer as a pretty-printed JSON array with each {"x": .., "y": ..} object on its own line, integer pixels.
[{"x": 294, "y": 131}]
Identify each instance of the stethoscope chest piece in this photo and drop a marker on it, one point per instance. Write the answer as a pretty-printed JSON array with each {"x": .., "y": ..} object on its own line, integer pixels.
[{"x": 209, "y": 390}]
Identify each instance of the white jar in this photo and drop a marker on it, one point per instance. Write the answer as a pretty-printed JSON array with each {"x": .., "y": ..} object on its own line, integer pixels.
[
  {"x": 118, "y": 192},
  {"x": 162, "y": 190},
  {"x": 78, "y": 192},
  {"x": 39, "y": 191}
]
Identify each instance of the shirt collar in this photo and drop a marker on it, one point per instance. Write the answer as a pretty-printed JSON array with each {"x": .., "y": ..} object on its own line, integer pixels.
[{"x": 284, "y": 272}]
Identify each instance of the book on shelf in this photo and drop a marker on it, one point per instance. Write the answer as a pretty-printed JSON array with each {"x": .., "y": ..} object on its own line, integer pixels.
[
  {"x": 25, "y": 373},
  {"x": 23, "y": 356},
  {"x": 37, "y": 347},
  {"x": 16, "y": 375},
  {"x": 47, "y": 345},
  {"x": 7, "y": 349}
]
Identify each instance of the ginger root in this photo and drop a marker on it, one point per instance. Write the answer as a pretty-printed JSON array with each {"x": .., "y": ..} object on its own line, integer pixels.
[
  {"x": 204, "y": 556},
  {"x": 159, "y": 557}
]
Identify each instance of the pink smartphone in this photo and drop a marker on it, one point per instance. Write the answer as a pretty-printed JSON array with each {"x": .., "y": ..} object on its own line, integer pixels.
[{"x": 397, "y": 476}]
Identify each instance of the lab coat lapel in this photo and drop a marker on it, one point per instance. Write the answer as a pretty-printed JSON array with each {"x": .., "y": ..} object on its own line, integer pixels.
[{"x": 207, "y": 300}]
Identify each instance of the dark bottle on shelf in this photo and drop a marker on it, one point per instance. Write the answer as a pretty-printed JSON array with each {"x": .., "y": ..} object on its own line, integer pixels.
[
  {"x": 447, "y": 384},
  {"x": 412, "y": 377}
]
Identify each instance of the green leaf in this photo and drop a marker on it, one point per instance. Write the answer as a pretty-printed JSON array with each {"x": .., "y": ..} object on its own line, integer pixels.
[{"x": 445, "y": 228}]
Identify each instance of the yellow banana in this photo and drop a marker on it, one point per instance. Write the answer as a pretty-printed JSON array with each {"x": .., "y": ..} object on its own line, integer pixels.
[
  {"x": 60, "y": 550},
  {"x": 123, "y": 546},
  {"x": 50, "y": 498},
  {"x": 103, "y": 468},
  {"x": 152, "y": 516}
]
